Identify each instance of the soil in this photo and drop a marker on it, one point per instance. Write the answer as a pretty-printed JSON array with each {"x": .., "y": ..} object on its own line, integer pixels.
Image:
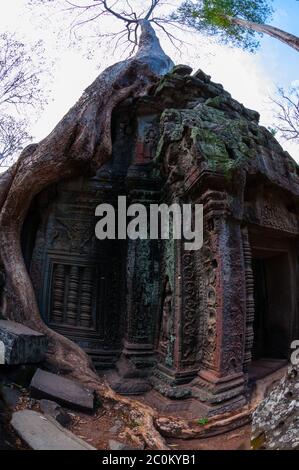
[{"x": 119, "y": 424}]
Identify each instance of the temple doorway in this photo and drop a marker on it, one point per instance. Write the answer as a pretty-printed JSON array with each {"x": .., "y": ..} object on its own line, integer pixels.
[
  {"x": 274, "y": 268},
  {"x": 271, "y": 272}
]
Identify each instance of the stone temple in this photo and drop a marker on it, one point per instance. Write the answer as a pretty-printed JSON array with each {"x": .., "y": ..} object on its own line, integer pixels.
[{"x": 186, "y": 329}]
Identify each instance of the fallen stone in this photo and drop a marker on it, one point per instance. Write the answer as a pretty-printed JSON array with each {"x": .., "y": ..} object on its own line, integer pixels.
[
  {"x": 10, "y": 396},
  {"x": 44, "y": 433},
  {"x": 50, "y": 408},
  {"x": 275, "y": 423},
  {"x": 116, "y": 445},
  {"x": 22, "y": 345},
  {"x": 18, "y": 374},
  {"x": 116, "y": 427},
  {"x": 61, "y": 390}
]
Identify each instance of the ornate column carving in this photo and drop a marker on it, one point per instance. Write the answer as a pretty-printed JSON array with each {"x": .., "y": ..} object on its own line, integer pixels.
[
  {"x": 220, "y": 383},
  {"x": 179, "y": 347},
  {"x": 142, "y": 276},
  {"x": 249, "y": 333}
]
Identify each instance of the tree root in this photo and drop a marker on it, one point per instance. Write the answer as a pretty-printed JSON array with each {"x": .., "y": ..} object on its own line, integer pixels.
[{"x": 81, "y": 142}]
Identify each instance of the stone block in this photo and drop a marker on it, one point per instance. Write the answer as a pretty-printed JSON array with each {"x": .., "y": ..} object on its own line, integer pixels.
[
  {"x": 22, "y": 345},
  {"x": 64, "y": 391},
  {"x": 50, "y": 408},
  {"x": 41, "y": 432}
]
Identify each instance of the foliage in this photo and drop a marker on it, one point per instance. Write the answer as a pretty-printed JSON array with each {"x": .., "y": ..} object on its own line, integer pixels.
[
  {"x": 21, "y": 68},
  {"x": 117, "y": 21},
  {"x": 213, "y": 18},
  {"x": 202, "y": 421},
  {"x": 287, "y": 113},
  {"x": 13, "y": 136}
]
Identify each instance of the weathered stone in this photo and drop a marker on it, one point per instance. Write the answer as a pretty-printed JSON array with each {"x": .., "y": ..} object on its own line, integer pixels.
[
  {"x": 275, "y": 424},
  {"x": 44, "y": 433},
  {"x": 116, "y": 445},
  {"x": 22, "y": 344},
  {"x": 116, "y": 427},
  {"x": 18, "y": 374},
  {"x": 50, "y": 408},
  {"x": 182, "y": 70},
  {"x": 192, "y": 318},
  {"x": 10, "y": 396},
  {"x": 64, "y": 391}
]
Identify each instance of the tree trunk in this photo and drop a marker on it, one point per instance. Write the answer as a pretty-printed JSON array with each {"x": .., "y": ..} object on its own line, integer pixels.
[
  {"x": 79, "y": 143},
  {"x": 287, "y": 38}
]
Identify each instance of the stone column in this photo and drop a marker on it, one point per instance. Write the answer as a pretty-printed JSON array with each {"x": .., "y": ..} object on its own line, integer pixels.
[
  {"x": 220, "y": 383},
  {"x": 178, "y": 339},
  {"x": 142, "y": 281}
]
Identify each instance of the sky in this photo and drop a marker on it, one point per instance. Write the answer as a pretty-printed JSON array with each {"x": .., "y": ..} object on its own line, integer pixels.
[{"x": 250, "y": 78}]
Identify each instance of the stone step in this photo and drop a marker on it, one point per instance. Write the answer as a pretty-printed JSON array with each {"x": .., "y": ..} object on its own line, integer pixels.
[
  {"x": 20, "y": 344},
  {"x": 44, "y": 433},
  {"x": 64, "y": 391}
]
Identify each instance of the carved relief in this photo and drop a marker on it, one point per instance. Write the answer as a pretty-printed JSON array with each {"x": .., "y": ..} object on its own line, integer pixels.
[
  {"x": 249, "y": 283},
  {"x": 72, "y": 235},
  {"x": 209, "y": 301},
  {"x": 57, "y": 315},
  {"x": 269, "y": 211},
  {"x": 166, "y": 320},
  {"x": 191, "y": 314},
  {"x": 86, "y": 298},
  {"x": 71, "y": 301},
  {"x": 147, "y": 140}
]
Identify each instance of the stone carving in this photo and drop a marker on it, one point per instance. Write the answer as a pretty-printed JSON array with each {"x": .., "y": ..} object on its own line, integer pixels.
[
  {"x": 57, "y": 315},
  {"x": 86, "y": 298},
  {"x": 210, "y": 302},
  {"x": 191, "y": 315},
  {"x": 72, "y": 296},
  {"x": 150, "y": 143},
  {"x": 278, "y": 218},
  {"x": 147, "y": 144},
  {"x": 191, "y": 312},
  {"x": 249, "y": 335},
  {"x": 72, "y": 235},
  {"x": 166, "y": 320}
]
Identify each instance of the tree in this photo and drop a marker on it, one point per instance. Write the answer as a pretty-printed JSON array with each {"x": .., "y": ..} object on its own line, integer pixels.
[
  {"x": 13, "y": 136},
  {"x": 80, "y": 143},
  {"x": 287, "y": 114},
  {"x": 235, "y": 21},
  {"x": 21, "y": 68}
]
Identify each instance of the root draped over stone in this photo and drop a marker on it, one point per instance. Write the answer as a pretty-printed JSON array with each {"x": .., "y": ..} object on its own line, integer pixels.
[{"x": 81, "y": 142}]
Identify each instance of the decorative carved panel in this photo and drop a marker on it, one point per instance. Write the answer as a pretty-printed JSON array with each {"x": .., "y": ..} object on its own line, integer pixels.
[{"x": 71, "y": 300}]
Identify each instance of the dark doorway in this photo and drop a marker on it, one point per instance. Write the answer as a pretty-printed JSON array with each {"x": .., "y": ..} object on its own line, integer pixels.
[{"x": 273, "y": 305}]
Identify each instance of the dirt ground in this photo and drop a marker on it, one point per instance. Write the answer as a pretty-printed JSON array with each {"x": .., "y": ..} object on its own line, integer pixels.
[
  {"x": 106, "y": 425},
  {"x": 118, "y": 424}
]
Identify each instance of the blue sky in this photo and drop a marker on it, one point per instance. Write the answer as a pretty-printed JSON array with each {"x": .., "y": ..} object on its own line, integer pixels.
[
  {"x": 250, "y": 78},
  {"x": 281, "y": 60}
]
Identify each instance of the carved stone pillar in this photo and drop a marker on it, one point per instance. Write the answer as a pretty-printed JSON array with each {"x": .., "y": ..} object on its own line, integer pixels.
[
  {"x": 249, "y": 282},
  {"x": 220, "y": 383},
  {"x": 177, "y": 336},
  {"x": 137, "y": 358},
  {"x": 142, "y": 280}
]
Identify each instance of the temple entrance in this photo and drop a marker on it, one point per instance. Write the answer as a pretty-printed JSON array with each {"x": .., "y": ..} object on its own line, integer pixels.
[
  {"x": 275, "y": 277},
  {"x": 272, "y": 298}
]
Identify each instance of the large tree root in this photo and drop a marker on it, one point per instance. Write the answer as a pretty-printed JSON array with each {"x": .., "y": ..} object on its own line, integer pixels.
[{"x": 81, "y": 142}]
